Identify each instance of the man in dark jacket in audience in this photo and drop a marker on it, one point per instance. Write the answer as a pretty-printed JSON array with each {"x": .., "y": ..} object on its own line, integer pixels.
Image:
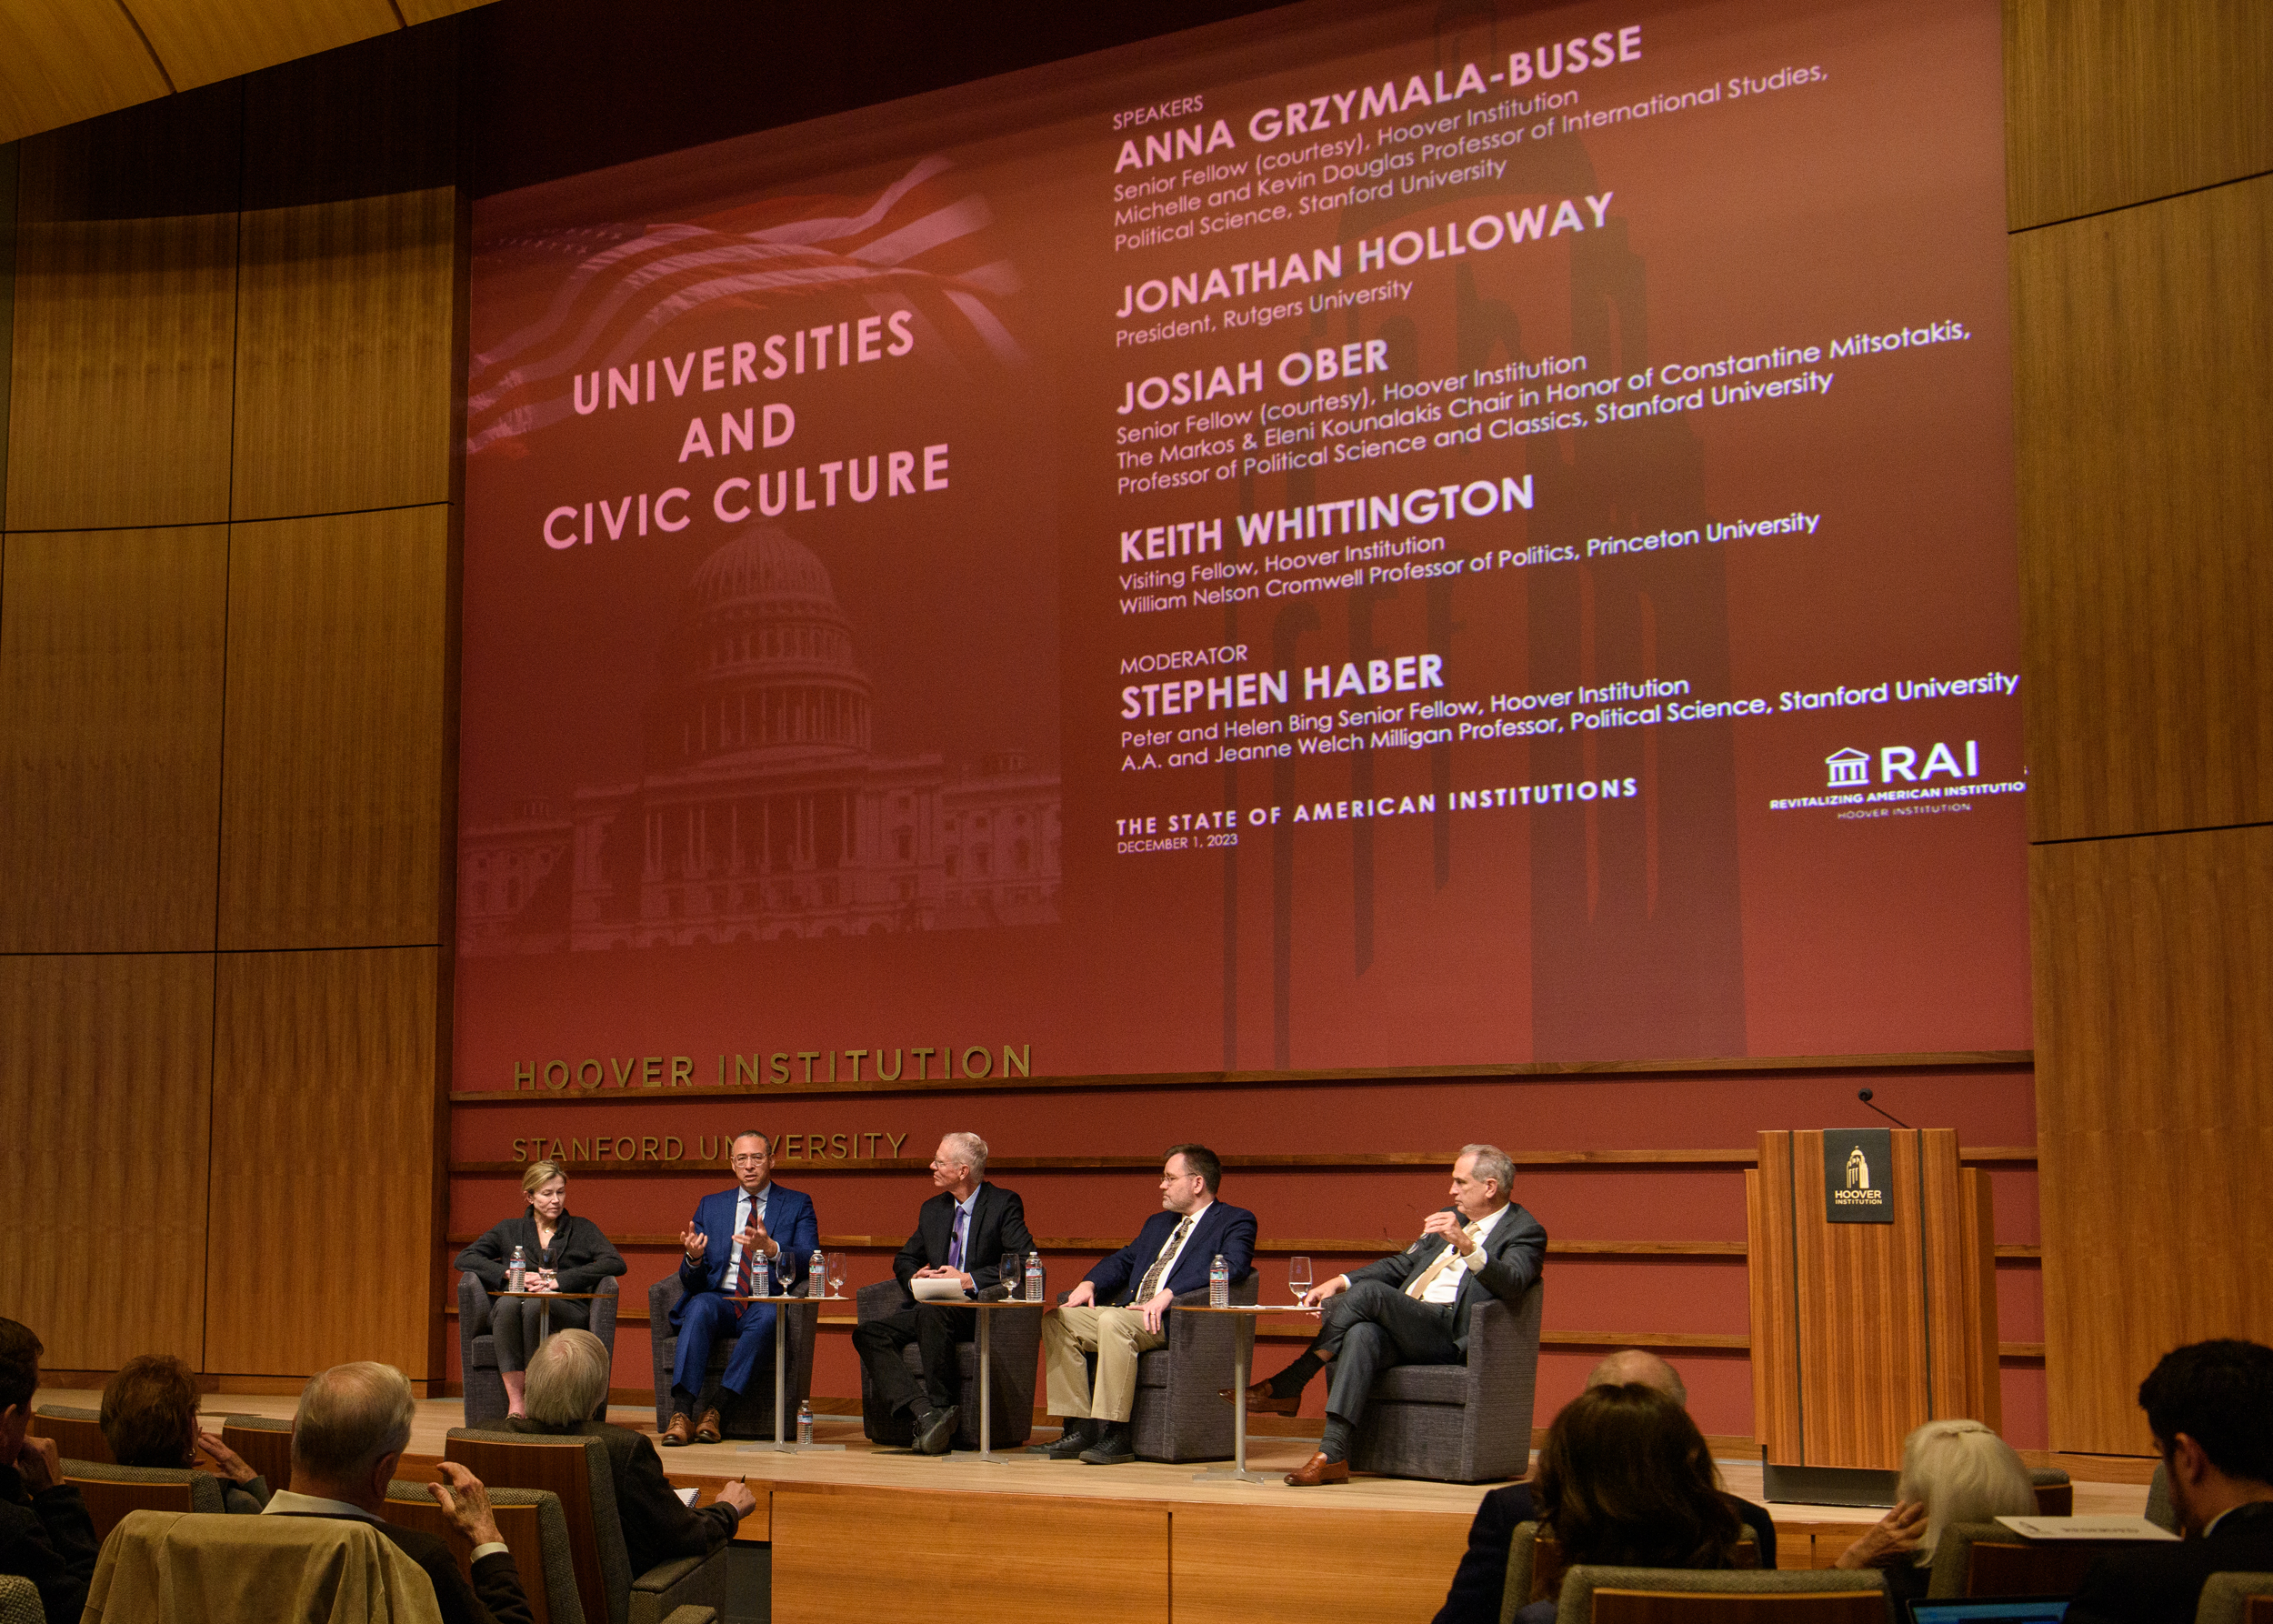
[
  {"x": 2210, "y": 1407},
  {"x": 1482, "y": 1575},
  {"x": 567, "y": 1385},
  {"x": 45, "y": 1534}
]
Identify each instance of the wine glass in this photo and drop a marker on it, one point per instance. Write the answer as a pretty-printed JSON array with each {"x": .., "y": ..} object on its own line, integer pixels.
[
  {"x": 836, "y": 1274},
  {"x": 1297, "y": 1277},
  {"x": 1012, "y": 1270}
]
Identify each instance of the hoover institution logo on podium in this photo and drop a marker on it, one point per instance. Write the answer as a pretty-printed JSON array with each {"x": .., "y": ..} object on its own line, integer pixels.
[{"x": 1858, "y": 1166}]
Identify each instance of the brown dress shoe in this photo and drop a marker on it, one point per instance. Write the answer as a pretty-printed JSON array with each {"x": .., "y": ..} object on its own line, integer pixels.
[
  {"x": 1318, "y": 1470},
  {"x": 680, "y": 1432},
  {"x": 709, "y": 1430},
  {"x": 1262, "y": 1401}
]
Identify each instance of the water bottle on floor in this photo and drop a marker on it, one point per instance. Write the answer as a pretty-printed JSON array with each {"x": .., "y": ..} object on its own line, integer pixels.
[
  {"x": 805, "y": 1422},
  {"x": 1219, "y": 1283}
]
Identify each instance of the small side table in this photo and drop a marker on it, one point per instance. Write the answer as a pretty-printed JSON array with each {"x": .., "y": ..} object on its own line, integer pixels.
[
  {"x": 985, "y": 1367},
  {"x": 1242, "y": 1369},
  {"x": 783, "y": 1442},
  {"x": 546, "y": 1300}
]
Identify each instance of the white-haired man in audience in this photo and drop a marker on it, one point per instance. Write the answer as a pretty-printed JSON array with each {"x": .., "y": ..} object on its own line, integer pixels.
[
  {"x": 567, "y": 1385},
  {"x": 1412, "y": 1309},
  {"x": 1482, "y": 1575},
  {"x": 347, "y": 1437}
]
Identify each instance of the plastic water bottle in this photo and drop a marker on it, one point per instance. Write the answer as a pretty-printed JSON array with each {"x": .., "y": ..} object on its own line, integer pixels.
[
  {"x": 1219, "y": 1283},
  {"x": 805, "y": 1422},
  {"x": 1034, "y": 1276},
  {"x": 761, "y": 1280},
  {"x": 517, "y": 1269},
  {"x": 817, "y": 1274}
]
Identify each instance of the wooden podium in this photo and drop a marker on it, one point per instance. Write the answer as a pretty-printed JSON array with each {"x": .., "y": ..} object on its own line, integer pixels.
[{"x": 1866, "y": 1324}]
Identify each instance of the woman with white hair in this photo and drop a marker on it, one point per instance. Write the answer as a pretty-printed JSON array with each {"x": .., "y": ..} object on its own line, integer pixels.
[
  {"x": 567, "y": 1385},
  {"x": 1952, "y": 1471}
]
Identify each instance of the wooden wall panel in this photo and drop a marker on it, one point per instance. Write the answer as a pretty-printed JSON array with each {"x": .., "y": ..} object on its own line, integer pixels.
[
  {"x": 110, "y": 739},
  {"x": 2143, "y": 397},
  {"x": 124, "y": 315},
  {"x": 332, "y": 798},
  {"x": 345, "y": 351},
  {"x": 200, "y": 42},
  {"x": 2155, "y": 1106},
  {"x": 324, "y": 1161},
  {"x": 10, "y": 156},
  {"x": 63, "y": 60},
  {"x": 105, "y": 1083},
  {"x": 2109, "y": 103},
  {"x": 847, "y": 1553},
  {"x": 1368, "y": 1568},
  {"x": 346, "y": 361}
]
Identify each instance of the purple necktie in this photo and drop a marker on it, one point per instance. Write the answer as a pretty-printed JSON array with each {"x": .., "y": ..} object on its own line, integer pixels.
[{"x": 954, "y": 1247}]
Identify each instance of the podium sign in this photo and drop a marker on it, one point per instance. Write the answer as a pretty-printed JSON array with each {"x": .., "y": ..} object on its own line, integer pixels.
[
  {"x": 1859, "y": 1176},
  {"x": 1873, "y": 1298}
]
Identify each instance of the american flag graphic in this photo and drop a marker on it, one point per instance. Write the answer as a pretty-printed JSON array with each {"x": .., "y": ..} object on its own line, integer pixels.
[{"x": 920, "y": 245}]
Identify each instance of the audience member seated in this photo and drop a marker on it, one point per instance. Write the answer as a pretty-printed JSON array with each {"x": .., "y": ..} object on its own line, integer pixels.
[
  {"x": 2210, "y": 1407},
  {"x": 1952, "y": 1472},
  {"x": 347, "y": 1437},
  {"x": 1625, "y": 1480},
  {"x": 568, "y": 1382},
  {"x": 1482, "y": 1577},
  {"x": 562, "y": 1252},
  {"x": 150, "y": 1419},
  {"x": 46, "y": 1535}
]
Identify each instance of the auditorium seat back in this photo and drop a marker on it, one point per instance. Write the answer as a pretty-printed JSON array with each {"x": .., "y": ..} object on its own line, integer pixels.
[
  {"x": 77, "y": 1432},
  {"x": 532, "y": 1524},
  {"x": 575, "y": 1471},
  {"x": 111, "y": 1491},
  {"x": 1988, "y": 1558},
  {"x": 1593, "y": 1595},
  {"x": 265, "y": 1444}
]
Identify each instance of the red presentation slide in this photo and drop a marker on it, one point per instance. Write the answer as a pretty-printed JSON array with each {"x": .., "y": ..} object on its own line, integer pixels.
[{"x": 1333, "y": 542}]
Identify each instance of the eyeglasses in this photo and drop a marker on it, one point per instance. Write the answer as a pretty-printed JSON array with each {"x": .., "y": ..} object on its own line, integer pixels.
[{"x": 752, "y": 1161}]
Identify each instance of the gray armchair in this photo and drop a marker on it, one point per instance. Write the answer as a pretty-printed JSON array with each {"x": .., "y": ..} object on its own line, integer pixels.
[
  {"x": 752, "y": 1414},
  {"x": 477, "y": 1350},
  {"x": 19, "y": 1601},
  {"x": 1015, "y": 1345},
  {"x": 1466, "y": 1423},
  {"x": 1179, "y": 1413}
]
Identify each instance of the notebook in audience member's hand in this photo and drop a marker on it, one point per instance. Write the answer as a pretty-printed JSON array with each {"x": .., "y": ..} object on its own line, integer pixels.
[{"x": 2086, "y": 1528}]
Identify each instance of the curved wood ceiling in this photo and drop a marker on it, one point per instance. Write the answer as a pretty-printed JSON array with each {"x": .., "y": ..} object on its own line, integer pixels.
[{"x": 65, "y": 60}]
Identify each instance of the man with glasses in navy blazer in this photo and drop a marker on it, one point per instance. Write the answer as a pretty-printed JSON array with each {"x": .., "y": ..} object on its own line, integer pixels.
[
  {"x": 733, "y": 1231},
  {"x": 1118, "y": 1310}
]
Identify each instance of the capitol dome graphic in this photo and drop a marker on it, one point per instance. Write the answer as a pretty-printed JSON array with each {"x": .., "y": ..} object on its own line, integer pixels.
[{"x": 762, "y": 812}]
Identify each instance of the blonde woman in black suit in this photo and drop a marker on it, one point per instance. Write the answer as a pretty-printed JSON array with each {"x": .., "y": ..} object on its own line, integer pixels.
[{"x": 564, "y": 1253}]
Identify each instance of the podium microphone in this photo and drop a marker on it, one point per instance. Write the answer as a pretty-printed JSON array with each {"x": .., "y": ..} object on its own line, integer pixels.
[{"x": 1864, "y": 1094}]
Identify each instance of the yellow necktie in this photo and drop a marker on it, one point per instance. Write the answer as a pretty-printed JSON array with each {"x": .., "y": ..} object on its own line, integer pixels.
[{"x": 1420, "y": 1283}]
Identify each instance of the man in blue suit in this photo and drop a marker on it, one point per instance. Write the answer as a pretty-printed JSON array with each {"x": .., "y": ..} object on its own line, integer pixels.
[
  {"x": 733, "y": 1230},
  {"x": 1118, "y": 1310}
]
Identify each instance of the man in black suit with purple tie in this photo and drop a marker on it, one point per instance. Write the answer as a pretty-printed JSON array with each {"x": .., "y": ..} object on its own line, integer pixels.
[
  {"x": 2210, "y": 1407},
  {"x": 961, "y": 1235}
]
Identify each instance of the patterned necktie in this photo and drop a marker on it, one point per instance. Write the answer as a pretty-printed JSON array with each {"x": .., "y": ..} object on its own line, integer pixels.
[
  {"x": 1151, "y": 1282},
  {"x": 1420, "y": 1283},
  {"x": 742, "y": 1272},
  {"x": 954, "y": 1247}
]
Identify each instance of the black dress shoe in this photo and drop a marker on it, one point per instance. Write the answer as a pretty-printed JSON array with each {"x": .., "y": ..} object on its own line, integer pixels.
[
  {"x": 1080, "y": 1434},
  {"x": 1113, "y": 1448},
  {"x": 935, "y": 1431}
]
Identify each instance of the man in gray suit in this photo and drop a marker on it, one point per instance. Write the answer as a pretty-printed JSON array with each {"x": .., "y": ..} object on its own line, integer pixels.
[{"x": 1412, "y": 1309}]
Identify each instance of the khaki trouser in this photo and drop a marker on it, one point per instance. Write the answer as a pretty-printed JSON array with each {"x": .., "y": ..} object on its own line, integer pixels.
[{"x": 1116, "y": 1335}]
